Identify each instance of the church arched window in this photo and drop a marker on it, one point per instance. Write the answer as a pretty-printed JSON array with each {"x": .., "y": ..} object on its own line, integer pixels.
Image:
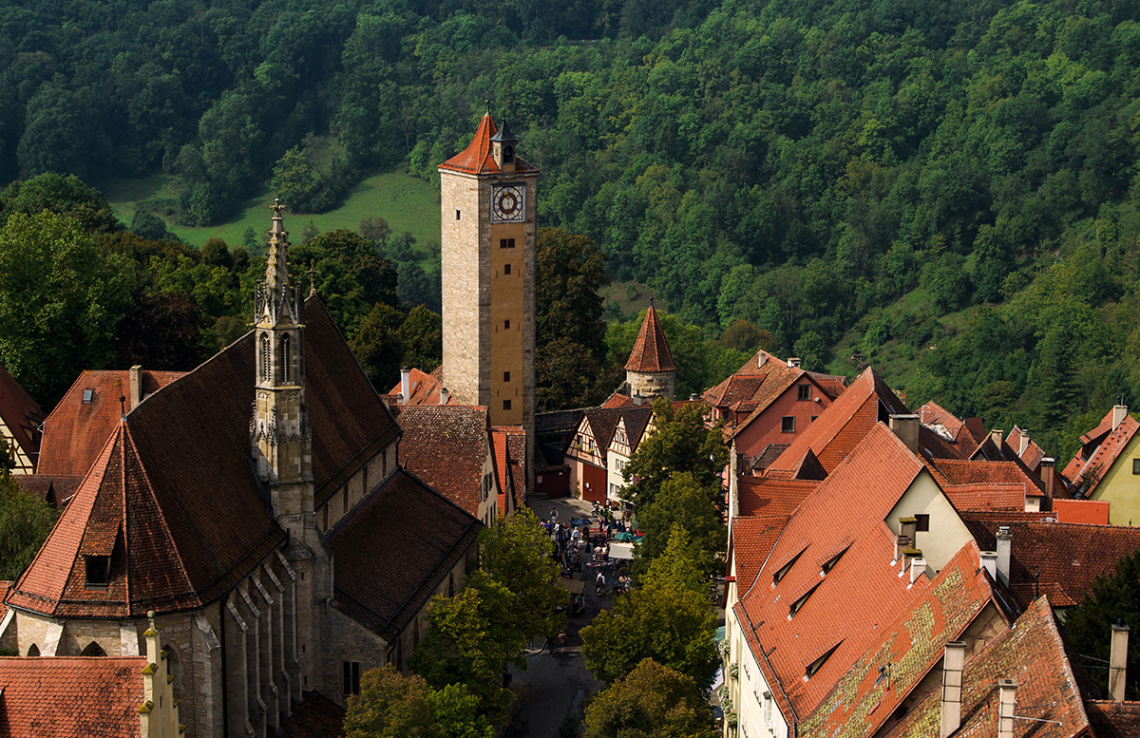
[
  {"x": 286, "y": 360},
  {"x": 93, "y": 649},
  {"x": 266, "y": 358}
]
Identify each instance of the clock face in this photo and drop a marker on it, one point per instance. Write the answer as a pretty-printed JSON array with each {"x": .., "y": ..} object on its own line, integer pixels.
[{"x": 508, "y": 204}]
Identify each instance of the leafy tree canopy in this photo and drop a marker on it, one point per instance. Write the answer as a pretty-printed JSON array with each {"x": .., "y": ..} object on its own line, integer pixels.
[
  {"x": 391, "y": 705},
  {"x": 25, "y": 521},
  {"x": 680, "y": 444},
  {"x": 1113, "y": 599},
  {"x": 654, "y": 701}
]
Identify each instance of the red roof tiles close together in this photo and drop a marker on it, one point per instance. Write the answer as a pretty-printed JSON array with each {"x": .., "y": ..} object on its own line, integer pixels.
[
  {"x": 650, "y": 351},
  {"x": 71, "y": 697},
  {"x": 478, "y": 157},
  {"x": 81, "y": 423},
  {"x": 446, "y": 446},
  {"x": 1100, "y": 450}
]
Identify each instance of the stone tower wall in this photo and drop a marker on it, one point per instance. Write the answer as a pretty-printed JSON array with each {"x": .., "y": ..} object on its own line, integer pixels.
[{"x": 652, "y": 384}]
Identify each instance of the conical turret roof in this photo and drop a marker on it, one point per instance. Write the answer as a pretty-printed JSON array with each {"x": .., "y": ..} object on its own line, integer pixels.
[
  {"x": 650, "y": 351},
  {"x": 478, "y": 157}
]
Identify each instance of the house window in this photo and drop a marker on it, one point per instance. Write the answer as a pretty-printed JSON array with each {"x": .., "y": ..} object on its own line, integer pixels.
[
  {"x": 506, "y": 243},
  {"x": 506, "y": 268},
  {"x": 88, "y": 396},
  {"x": 816, "y": 665},
  {"x": 457, "y": 215},
  {"x": 506, "y": 404},
  {"x": 98, "y": 571},
  {"x": 803, "y": 392},
  {"x": 506, "y": 376},
  {"x": 830, "y": 563},
  {"x": 922, "y": 523},
  {"x": 506, "y": 325},
  {"x": 1136, "y": 466},
  {"x": 813, "y": 418},
  {"x": 795, "y": 606},
  {"x": 350, "y": 682},
  {"x": 783, "y": 570},
  {"x": 788, "y": 424}
]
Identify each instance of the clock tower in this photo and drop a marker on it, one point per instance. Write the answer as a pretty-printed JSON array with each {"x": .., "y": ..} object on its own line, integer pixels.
[{"x": 487, "y": 197}]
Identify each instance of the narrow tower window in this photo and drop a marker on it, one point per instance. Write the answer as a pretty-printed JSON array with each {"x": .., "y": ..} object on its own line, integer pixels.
[
  {"x": 286, "y": 360},
  {"x": 265, "y": 357}
]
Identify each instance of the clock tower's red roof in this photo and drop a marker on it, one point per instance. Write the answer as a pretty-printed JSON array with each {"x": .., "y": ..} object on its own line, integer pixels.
[{"x": 478, "y": 157}]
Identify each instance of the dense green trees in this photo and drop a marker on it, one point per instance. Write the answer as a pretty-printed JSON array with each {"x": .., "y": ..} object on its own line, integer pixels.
[
  {"x": 1114, "y": 599},
  {"x": 654, "y": 701},
  {"x": 25, "y": 521}
]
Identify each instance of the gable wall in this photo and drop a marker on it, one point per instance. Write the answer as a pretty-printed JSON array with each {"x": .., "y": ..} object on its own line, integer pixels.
[
  {"x": 947, "y": 532},
  {"x": 766, "y": 428},
  {"x": 1121, "y": 488}
]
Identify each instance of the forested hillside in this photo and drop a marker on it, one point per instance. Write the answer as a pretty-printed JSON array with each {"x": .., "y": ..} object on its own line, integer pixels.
[{"x": 948, "y": 190}]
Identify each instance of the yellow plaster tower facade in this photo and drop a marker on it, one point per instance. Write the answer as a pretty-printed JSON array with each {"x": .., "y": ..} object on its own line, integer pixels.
[{"x": 487, "y": 197}]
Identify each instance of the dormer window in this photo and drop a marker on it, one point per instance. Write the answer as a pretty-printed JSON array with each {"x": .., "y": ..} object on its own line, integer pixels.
[
  {"x": 799, "y": 603},
  {"x": 88, "y": 396},
  {"x": 98, "y": 572},
  {"x": 783, "y": 570},
  {"x": 816, "y": 665},
  {"x": 830, "y": 563}
]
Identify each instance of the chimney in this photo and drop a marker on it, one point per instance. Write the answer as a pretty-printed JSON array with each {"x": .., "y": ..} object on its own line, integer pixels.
[
  {"x": 693, "y": 397},
  {"x": 1118, "y": 661},
  {"x": 136, "y": 385},
  {"x": 952, "y": 660},
  {"x": 1048, "y": 467},
  {"x": 1119, "y": 413},
  {"x": 1022, "y": 442},
  {"x": 995, "y": 436},
  {"x": 906, "y": 428},
  {"x": 908, "y": 529},
  {"x": 794, "y": 362},
  {"x": 444, "y": 395},
  {"x": 902, "y": 543},
  {"x": 405, "y": 383},
  {"x": 763, "y": 359},
  {"x": 989, "y": 563},
  {"x": 917, "y": 567},
  {"x": 1007, "y": 703},
  {"x": 909, "y": 554},
  {"x": 1004, "y": 544},
  {"x": 638, "y": 399}
]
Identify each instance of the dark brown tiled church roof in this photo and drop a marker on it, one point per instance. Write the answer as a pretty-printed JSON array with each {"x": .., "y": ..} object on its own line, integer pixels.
[
  {"x": 477, "y": 158},
  {"x": 650, "y": 351},
  {"x": 173, "y": 498},
  {"x": 419, "y": 532}
]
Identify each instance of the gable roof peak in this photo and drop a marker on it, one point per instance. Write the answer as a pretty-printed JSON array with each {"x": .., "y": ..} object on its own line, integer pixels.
[{"x": 650, "y": 351}]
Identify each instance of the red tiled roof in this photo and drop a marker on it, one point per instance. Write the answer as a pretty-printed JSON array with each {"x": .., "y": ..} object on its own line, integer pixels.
[
  {"x": 833, "y": 384},
  {"x": 407, "y": 522},
  {"x": 56, "y": 491},
  {"x": 1067, "y": 557},
  {"x": 1091, "y": 512},
  {"x": 1031, "y": 455},
  {"x": 1114, "y": 719},
  {"x": 772, "y": 497},
  {"x": 76, "y": 430},
  {"x": 174, "y": 487},
  {"x": 477, "y": 158},
  {"x": 1032, "y": 654},
  {"x": 635, "y": 420},
  {"x": 425, "y": 388},
  {"x": 1003, "y": 476},
  {"x": 617, "y": 399},
  {"x": 1088, "y": 467},
  {"x": 844, "y": 423},
  {"x": 20, "y": 413},
  {"x": 752, "y": 542},
  {"x": 446, "y": 446},
  {"x": 846, "y": 513},
  {"x": 4, "y": 587},
  {"x": 911, "y": 646},
  {"x": 516, "y": 460},
  {"x": 650, "y": 351},
  {"x": 71, "y": 697}
]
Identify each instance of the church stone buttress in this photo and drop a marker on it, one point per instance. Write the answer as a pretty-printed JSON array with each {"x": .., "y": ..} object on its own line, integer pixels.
[{"x": 280, "y": 437}]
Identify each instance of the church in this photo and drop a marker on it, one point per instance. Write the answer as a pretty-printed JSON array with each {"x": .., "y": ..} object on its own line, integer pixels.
[{"x": 258, "y": 506}]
